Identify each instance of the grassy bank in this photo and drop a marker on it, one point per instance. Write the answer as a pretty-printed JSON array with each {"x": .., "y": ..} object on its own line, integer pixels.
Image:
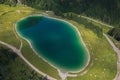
[
  {"x": 13, "y": 68},
  {"x": 103, "y": 58},
  {"x": 8, "y": 18},
  {"x": 38, "y": 62},
  {"x": 117, "y": 43}
]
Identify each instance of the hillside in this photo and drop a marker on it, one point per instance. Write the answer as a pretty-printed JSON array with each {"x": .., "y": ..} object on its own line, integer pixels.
[
  {"x": 15, "y": 69},
  {"x": 103, "y": 57},
  {"x": 106, "y": 10},
  {"x": 115, "y": 33}
]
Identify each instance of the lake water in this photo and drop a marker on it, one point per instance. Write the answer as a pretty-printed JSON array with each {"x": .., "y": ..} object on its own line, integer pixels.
[{"x": 56, "y": 41}]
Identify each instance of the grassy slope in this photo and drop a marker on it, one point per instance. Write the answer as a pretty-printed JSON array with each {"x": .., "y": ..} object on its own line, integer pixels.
[
  {"x": 117, "y": 43},
  {"x": 13, "y": 68},
  {"x": 8, "y": 18},
  {"x": 38, "y": 62},
  {"x": 7, "y": 34},
  {"x": 103, "y": 57}
]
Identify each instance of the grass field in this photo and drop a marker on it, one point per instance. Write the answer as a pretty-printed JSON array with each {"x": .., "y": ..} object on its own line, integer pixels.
[
  {"x": 13, "y": 67},
  {"x": 117, "y": 43},
  {"x": 7, "y": 34},
  {"x": 103, "y": 58}
]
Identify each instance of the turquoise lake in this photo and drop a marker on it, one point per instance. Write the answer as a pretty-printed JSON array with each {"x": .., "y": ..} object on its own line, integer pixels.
[{"x": 56, "y": 41}]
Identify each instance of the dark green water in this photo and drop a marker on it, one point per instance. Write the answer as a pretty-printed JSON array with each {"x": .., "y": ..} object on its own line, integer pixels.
[{"x": 55, "y": 40}]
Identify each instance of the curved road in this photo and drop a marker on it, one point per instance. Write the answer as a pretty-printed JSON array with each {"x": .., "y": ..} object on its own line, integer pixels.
[
  {"x": 85, "y": 17},
  {"x": 118, "y": 54},
  {"x": 117, "y": 77},
  {"x": 18, "y": 52}
]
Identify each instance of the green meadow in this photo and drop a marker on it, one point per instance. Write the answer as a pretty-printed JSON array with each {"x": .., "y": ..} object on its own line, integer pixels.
[
  {"x": 103, "y": 58},
  {"x": 103, "y": 62}
]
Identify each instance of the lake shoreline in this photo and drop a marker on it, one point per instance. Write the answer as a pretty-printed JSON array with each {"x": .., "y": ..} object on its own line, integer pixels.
[{"x": 48, "y": 61}]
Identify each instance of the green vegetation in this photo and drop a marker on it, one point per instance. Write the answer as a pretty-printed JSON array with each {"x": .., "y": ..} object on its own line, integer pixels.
[
  {"x": 115, "y": 33},
  {"x": 7, "y": 34},
  {"x": 117, "y": 43},
  {"x": 8, "y": 18},
  {"x": 88, "y": 24},
  {"x": 105, "y": 10},
  {"x": 9, "y": 2},
  {"x": 38, "y": 62},
  {"x": 103, "y": 58},
  {"x": 13, "y": 68}
]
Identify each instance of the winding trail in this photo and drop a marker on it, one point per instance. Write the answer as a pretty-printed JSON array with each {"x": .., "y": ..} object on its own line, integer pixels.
[
  {"x": 18, "y": 52},
  {"x": 117, "y": 77},
  {"x": 94, "y": 20},
  {"x": 19, "y": 2},
  {"x": 118, "y": 54}
]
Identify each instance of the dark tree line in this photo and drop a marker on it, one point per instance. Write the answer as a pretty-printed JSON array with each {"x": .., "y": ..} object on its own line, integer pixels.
[
  {"x": 104, "y": 10},
  {"x": 115, "y": 33},
  {"x": 88, "y": 24},
  {"x": 13, "y": 68},
  {"x": 9, "y": 2}
]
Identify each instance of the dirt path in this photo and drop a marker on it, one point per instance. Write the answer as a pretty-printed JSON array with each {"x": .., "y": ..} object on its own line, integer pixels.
[
  {"x": 117, "y": 77},
  {"x": 118, "y": 54},
  {"x": 18, "y": 52},
  {"x": 85, "y": 17},
  {"x": 19, "y": 2}
]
